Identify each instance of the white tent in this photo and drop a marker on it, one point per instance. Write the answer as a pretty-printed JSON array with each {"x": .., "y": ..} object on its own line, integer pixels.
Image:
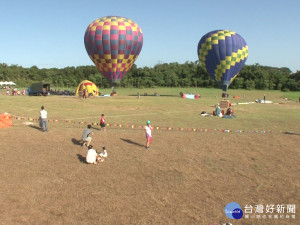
[{"x": 7, "y": 83}]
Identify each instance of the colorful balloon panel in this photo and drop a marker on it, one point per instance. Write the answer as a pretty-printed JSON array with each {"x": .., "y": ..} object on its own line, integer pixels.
[
  {"x": 113, "y": 43},
  {"x": 87, "y": 85},
  {"x": 223, "y": 53}
]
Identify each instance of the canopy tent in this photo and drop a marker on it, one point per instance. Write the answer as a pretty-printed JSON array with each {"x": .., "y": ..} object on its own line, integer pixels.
[
  {"x": 90, "y": 87},
  {"x": 7, "y": 83}
]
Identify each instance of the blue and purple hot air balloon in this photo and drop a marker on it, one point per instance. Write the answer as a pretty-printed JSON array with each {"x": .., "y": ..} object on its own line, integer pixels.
[{"x": 223, "y": 53}]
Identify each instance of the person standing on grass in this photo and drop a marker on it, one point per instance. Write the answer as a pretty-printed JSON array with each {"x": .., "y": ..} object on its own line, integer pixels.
[
  {"x": 148, "y": 131},
  {"x": 83, "y": 94},
  {"x": 218, "y": 110},
  {"x": 86, "y": 136},
  {"x": 102, "y": 123},
  {"x": 44, "y": 120}
]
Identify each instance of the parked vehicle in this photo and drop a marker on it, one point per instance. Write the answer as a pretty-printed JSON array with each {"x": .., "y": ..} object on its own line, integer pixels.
[{"x": 39, "y": 89}]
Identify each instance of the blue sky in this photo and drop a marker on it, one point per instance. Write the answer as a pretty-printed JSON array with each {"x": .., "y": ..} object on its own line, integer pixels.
[{"x": 50, "y": 34}]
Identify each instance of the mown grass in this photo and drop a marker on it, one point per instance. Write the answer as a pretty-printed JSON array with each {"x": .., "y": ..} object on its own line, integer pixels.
[
  {"x": 186, "y": 177},
  {"x": 165, "y": 110}
]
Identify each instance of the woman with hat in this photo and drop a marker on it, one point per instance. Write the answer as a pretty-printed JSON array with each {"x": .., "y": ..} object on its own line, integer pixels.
[{"x": 148, "y": 130}]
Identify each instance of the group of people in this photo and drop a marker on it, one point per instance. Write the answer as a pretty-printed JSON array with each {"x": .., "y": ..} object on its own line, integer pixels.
[
  {"x": 86, "y": 94},
  {"x": 219, "y": 113},
  {"x": 93, "y": 157},
  {"x": 14, "y": 91}
]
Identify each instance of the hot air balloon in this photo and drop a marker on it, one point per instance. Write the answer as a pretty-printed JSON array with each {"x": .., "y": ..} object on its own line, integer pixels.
[
  {"x": 223, "y": 53},
  {"x": 113, "y": 43},
  {"x": 89, "y": 87}
]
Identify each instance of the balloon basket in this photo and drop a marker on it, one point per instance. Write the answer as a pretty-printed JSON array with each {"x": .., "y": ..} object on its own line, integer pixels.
[
  {"x": 225, "y": 95},
  {"x": 113, "y": 94}
]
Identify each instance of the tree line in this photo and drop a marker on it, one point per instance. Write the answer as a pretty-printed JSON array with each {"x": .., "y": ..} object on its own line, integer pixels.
[{"x": 188, "y": 74}]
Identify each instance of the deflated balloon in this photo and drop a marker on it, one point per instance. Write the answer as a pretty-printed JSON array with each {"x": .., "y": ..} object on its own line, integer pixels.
[
  {"x": 223, "y": 53},
  {"x": 113, "y": 43}
]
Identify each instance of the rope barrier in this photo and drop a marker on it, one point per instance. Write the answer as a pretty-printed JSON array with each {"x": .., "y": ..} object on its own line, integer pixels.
[{"x": 142, "y": 126}]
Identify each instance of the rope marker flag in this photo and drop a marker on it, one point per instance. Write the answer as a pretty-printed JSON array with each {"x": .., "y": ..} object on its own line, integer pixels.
[{"x": 202, "y": 130}]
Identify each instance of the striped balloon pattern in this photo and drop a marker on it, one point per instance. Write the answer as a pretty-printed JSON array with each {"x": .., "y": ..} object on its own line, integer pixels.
[
  {"x": 223, "y": 53},
  {"x": 113, "y": 43}
]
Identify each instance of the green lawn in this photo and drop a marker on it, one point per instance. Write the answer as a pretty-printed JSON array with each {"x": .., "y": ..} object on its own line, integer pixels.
[{"x": 165, "y": 110}]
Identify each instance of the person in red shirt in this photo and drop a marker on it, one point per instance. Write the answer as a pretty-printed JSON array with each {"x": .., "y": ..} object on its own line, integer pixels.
[{"x": 102, "y": 123}]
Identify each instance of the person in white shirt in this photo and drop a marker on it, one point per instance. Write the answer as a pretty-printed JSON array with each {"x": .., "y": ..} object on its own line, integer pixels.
[
  {"x": 148, "y": 130},
  {"x": 92, "y": 156},
  {"x": 44, "y": 120}
]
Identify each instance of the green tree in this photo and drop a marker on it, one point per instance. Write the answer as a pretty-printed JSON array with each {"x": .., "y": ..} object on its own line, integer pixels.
[
  {"x": 249, "y": 84},
  {"x": 237, "y": 83}
]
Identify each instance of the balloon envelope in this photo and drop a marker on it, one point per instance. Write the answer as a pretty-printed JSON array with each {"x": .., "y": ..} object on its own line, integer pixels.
[
  {"x": 89, "y": 86},
  {"x": 223, "y": 53},
  {"x": 113, "y": 44}
]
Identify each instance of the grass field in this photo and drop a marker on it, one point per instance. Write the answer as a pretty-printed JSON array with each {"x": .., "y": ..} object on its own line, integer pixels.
[
  {"x": 166, "y": 110},
  {"x": 187, "y": 177}
]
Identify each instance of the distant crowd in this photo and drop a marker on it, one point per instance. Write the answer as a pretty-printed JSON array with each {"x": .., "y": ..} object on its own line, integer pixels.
[{"x": 14, "y": 91}]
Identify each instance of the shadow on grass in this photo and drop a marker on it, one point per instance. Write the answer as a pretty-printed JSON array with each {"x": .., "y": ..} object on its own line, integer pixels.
[
  {"x": 35, "y": 127},
  {"x": 151, "y": 95},
  {"x": 81, "y": 158},
  {"x": 76, "y": 142},
  {"x": 291, "y": 133},
  {"x": 132, "y": 142}
]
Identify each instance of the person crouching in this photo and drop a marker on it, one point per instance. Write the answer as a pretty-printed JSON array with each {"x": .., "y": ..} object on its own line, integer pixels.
[{"x": 92, "y": 156}]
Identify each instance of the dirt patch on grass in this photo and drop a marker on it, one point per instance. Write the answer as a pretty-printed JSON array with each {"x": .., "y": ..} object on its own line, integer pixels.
[{"x": 185, "y": 178}]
